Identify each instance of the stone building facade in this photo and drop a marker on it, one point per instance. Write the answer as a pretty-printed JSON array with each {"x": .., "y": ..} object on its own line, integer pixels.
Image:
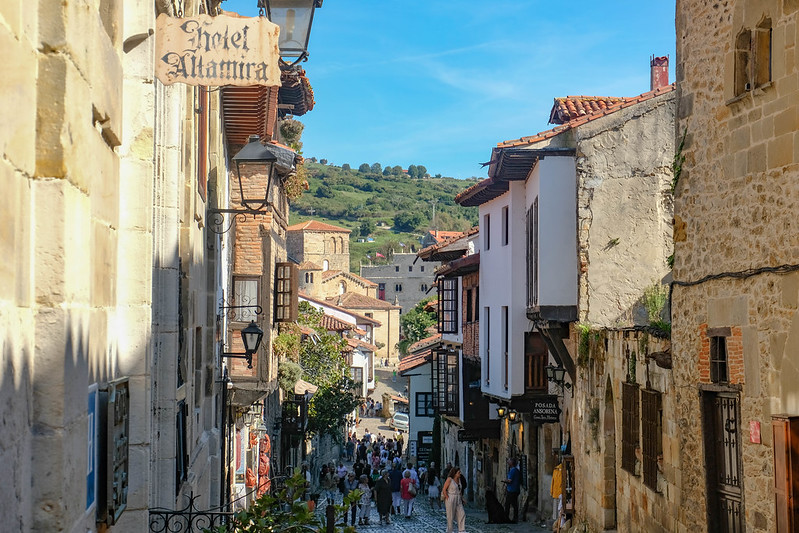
[
  {"x": 404, "y": 281},
  {"x": 736, "y": 287},
  {"x": 324, "y": 244}
]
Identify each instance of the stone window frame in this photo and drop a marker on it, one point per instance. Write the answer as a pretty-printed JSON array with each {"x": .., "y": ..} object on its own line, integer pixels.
[{"x": 719, "y": 356}]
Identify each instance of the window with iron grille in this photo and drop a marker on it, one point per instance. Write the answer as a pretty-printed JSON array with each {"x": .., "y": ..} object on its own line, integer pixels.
[
  {"x": 445, "y": 382},
  {"x": 719, "y": 372},
  {"x": 448, "y": 305},
  {"x": 245, "y": 295},
  {"x": 629, "y": 425},
  {"x": 532, "y": 255},
  {"x": 286, "y": 292},
  {"x": 651, "y": 436}
]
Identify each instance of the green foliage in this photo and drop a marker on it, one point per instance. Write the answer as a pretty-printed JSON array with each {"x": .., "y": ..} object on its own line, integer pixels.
[
  {"x": 408, "y": 221},
  {"x": 330, "y": 405},
  {"x": 677, "y": 162},
  {"x": 670, "y": 261},
  {"x": 291, "y": 131},
  {"x": 283, "y": 512},
  {"x": 286, "y": 345},
  {"x": 414, "y": 323},
  {"x": 288, "y": 374},
  {"x": 367, "y": 227},
  {"x": 376, "y": 168},
  {"x": 584, "y": 344},
  {"x": 364, "y": 168},
  {"x": 654, "y": 300},
  {"x": 324, "y": 191},
  {"x": 346, "y": 166}
]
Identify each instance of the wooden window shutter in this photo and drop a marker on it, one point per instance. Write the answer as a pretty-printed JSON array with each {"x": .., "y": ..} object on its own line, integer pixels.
[
  {"x": 786, "y": 471},
  {"x": 448, "y": 305},
  {"x": 630, "y": 421},
  {"x": 650, "y": 429},
  {"x": 286, "y": 292}
]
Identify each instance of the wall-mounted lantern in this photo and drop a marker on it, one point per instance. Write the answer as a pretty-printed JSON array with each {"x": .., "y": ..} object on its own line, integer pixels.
[
  {"x": 251, "y": 337},
  {"x": 294, "y": 17}
]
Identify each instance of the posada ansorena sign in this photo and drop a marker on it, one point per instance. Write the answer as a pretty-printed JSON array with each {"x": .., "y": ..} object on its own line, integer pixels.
[{"x": 214, "y": 51}]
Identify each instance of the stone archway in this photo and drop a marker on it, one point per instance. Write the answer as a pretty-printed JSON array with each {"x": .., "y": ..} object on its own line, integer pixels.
[{"x": 608, "y": 501}]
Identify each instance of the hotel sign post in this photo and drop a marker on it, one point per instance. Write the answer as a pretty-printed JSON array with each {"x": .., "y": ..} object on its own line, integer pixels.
[
  {"x": 216, "y": 51},
  {"x": 545, "y": 409}
]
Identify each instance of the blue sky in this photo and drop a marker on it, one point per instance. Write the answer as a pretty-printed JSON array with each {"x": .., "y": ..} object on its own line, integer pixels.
[{"x": 439, "y": 83}]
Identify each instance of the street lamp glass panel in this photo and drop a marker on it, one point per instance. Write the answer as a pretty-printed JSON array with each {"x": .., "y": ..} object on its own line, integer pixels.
[
  {"x": 550, "y": 373},
  {"x": 294, "y": 18},
  {"x": 501, "y": 411},
  {"x": 251, "y": 336},
  {"x": 559, "y": 374},
  {"x": 512, "y": 414}
]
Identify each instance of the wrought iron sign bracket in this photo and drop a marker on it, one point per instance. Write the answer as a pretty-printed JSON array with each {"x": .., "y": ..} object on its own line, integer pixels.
[{"x": 217, "y": 217}]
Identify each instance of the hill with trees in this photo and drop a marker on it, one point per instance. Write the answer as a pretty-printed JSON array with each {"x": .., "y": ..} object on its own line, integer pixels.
[{"x": 390, "y": 205}]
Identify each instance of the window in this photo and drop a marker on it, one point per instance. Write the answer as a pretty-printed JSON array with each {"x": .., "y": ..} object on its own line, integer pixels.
[
  {"x": 718, "y": 360},
  {"x": 398, "y": 287},
  {"x": 487, "y": 331},
  {"x": 421, "y": 268},
  {"x": 410, "y": 268},
  {"x": 487, "y": 231},
  {"x": 536, "y": 356},
  {"x": 325, "y": 265},
  {"x": 181, "y": 445},
  {"x": 245, "y": 293},
  {"x": 505, "y": 226},
  {"x": 448, "y": 305},
  {"x": 286, "y": 292},
  {"x": 424, "y": 404},
  {"x": 445, "y": 381},
  {"x": 743, "y": 46},
  {"x": 423, "y": 287},
  {"x": 381, "y": 291},
  {"x": 357, "y": 376},
  {"x": 629, "y": 425},
  {"x": 469, "y": 306},
  {"x": 651, "y": 432},
  {"x": 505, "y": 347},
  {"x": 396, "y": 268},
  {"x": 762, "y": 52},
  {"x": 532, "y": 255}
]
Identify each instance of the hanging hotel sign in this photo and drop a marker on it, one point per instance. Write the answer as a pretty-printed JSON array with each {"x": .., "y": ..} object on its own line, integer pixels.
[
  {"x": 214, "y": 51},
  {"x": 545, "y": 409}
]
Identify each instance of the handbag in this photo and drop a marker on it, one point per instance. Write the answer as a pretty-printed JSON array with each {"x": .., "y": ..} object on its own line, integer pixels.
[{"x": 412, "y": 489}]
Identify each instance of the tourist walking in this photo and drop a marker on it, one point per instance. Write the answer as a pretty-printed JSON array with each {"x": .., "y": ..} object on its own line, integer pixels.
[
  {"x": 433, "y": 489},
  {"x": 383, "y": 497},
  {"x": 396, "y": 489},
  {"x": 350, "y": 484},
  {"x": 453, "y": 494},
  {"x": 366, "y": 501},
  {"x": 408, "y": 488}
]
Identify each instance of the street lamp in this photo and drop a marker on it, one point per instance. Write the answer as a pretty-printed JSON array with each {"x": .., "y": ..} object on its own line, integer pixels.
[
  {"x": 513, "y": 416},
  {"x": 262, "y": 158},
  {"x": 557, "y": 375},
  {"x": 502, "y": 411},
  {"x": 251, "y": 337},
  {"x": 294, "y": 17}
]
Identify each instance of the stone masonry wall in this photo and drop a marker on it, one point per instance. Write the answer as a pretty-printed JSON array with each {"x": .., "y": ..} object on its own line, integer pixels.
[
  {"x": 734, "y": 214},
  {"x": 316, "y": 246}
]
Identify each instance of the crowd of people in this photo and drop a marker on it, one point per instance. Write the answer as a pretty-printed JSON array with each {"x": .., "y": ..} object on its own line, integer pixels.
[{"x": 390, "y": 484}]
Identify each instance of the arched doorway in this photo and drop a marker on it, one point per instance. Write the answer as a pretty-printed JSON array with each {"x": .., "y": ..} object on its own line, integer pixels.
[{"x": 608, "y": 500}]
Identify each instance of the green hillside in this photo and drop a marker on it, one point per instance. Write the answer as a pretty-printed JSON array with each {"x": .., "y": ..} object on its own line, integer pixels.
[{"x": 389, "y": 206}]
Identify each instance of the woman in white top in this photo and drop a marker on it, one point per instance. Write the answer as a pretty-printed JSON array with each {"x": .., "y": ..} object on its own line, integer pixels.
[{"x": 454, "y": 500}]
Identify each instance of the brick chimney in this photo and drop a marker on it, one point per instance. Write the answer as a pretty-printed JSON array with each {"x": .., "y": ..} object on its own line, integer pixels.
[{"x": 659, "y": 74}]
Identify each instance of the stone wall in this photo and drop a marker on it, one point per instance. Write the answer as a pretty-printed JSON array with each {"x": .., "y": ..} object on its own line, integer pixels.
[
  {"x": 733, "y": 214},
  {"x": 607, "y": 495},
  {"x": 624, "y": 209},
  {"x": 402, "y": 271},
  {"x": 318, "y": 246}
]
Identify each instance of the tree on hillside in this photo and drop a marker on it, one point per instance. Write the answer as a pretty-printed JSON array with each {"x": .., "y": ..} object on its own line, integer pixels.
[
  {"x": 387, "y": 171},
  {"x": 421, "y": 171},
  {"x": 364, "y": 168},
  {"x": 323, "y": 161},
  {"x": 376, "y": 168},
  {"x": 324, "y": 191},
  {"x": 407, "y": 221},
  {"x": 412, "y": 171},
  {"x": 396, "y": 170},
  {"x": 345, "y": 166},
  {"x": 367, "y": 227}
]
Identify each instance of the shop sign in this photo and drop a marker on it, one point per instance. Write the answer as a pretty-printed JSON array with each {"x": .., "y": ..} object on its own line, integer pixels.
[
  {"x": 545, "y": 409},
  {"x": 215, "y": 51}
]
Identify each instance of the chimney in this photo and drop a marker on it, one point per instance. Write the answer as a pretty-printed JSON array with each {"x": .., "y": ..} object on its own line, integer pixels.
[{"x": 659, "y": 74}]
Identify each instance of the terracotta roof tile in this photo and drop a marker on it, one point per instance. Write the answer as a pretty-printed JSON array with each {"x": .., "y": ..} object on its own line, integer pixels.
[
  {"x": 411, "y": 361},
  {"x": 331, "y": 323},
  {"x": 359, "y": 317},
  {"x": 327, "y": 275},
  {"x": 308, "y": 265},
  {"x": 358, "y": 343},
  {"x": 352, "y": 300},
  {"x": 580, "y": 120},
  {"x": 571, "y": 107},
  {"x": 315, "y": 225},
  {"x": 455, "y": 237},
  {"x": 424, "y": 343}
]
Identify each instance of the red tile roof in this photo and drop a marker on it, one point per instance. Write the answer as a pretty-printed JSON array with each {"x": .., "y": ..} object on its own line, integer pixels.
[
  {"x": 352, "y": 300},
  {"x": 439, "y": 235},
  {"x": 495, "y": 187},
  {"x": 424, "y": 343},
  {"x": 315, "y": 225},
  {"x": 358, "y": 317},
  {"x": 582, "y": 119},
  {"x": 331, "y": 323},
  {"x": 415, "y": 360},
  {"x": 358, "y": 343},
  {"x": 571, "y": 107},
  {"x": 455, "y": 237},
  {"x": 327, "y": 275},
  {"x": 308, "y": 265}
]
